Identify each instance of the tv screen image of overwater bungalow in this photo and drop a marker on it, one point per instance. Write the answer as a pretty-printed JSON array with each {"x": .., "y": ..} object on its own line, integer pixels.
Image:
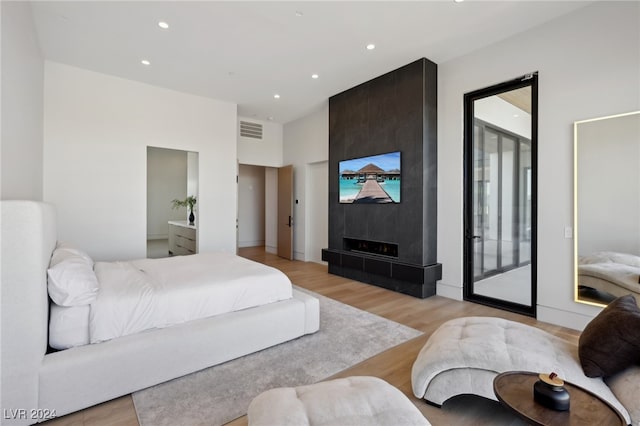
[{"x": 370, "y": 180}]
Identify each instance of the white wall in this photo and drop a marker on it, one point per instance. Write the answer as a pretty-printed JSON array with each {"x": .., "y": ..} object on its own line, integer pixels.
[
  {"x": 251, "y": 206},
  {"x": 96, "y": 132},
  {"x": 166, "y": 181},
  {"x": 583, "y": 73},
  {"x": 261, "y": 152},
  {"x": 22, "y": 84},
  {"x": 317, "y": 221},
  {"x": 306, "y": 141}
]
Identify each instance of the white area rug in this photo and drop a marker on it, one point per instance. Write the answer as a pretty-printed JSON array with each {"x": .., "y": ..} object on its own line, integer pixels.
[{"x": 219, "y": 394}]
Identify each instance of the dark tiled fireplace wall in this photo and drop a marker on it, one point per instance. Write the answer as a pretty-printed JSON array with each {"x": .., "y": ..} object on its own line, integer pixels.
[{"x": 394, "y": 112}]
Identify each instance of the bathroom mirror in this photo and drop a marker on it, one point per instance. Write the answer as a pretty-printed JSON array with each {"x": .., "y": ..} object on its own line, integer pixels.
[{"x": 607, "y": 208}]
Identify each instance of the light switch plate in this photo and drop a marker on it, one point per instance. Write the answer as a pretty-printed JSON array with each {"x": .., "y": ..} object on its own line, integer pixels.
[{"x": 568, "y": 232}]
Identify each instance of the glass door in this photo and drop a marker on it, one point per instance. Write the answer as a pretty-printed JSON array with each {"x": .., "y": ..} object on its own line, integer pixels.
[
  {"x": 502, "y": 202},
  {"x": 500, "y": 196}
]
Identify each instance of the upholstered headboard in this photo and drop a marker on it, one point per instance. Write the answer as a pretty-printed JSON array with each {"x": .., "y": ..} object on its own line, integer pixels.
[{"x": 28, "y": 235}]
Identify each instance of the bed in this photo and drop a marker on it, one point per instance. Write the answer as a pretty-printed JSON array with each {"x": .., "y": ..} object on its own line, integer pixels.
[
  {"x": 128, "y": 297},
  {"x": 615, "y": 273},
  {"x": 37, "y": 385}
]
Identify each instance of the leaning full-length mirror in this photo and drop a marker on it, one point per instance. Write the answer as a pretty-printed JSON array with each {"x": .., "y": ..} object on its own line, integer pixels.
[
  {"x": 607, "y": 207},
  {"x": 500, "y": 176}
]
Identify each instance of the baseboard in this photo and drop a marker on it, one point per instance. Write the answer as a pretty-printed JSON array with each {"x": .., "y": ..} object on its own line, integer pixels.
[
  {"x": 243, "y": 244},
  {"x": 562, "y": 318},
  {"x": 573, "y": 320},
  {"x": 449, "y": 291}
]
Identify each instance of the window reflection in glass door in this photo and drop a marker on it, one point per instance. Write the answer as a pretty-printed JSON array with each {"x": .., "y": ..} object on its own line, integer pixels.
[{"x": 500, "y": 209}]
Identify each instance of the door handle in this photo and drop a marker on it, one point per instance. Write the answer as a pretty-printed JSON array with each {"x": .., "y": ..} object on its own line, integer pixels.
[
  {"x": 290, "y": 222},
  {"x": 470, "y": 236}
]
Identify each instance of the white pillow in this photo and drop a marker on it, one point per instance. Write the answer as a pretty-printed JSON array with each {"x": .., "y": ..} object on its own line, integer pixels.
[
  {"x": 72, "y": 282},
  {"x": 65, "y": 250}
]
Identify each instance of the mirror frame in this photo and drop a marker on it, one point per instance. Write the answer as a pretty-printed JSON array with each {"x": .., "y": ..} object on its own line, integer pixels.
[{"x": 576, "y": 292}]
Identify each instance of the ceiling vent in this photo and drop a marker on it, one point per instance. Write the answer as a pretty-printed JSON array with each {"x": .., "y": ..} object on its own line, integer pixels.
[{"x": 250, "y": 130}]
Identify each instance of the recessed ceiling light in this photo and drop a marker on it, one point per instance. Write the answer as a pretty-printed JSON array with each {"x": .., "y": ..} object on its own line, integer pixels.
[
  {"x": 276, "y": 96},
  {"x": 298, "y": 13},
  {"x": 270, "y": 118},
  {"x": 458, "y": 1},
  {"x": 314, "y": 75},
  {"x": 516, "y": 115},
  {"x": 145, "y": 62},
  {"x": 163, "y": 25},
  {"x": 371, "y": 46}
]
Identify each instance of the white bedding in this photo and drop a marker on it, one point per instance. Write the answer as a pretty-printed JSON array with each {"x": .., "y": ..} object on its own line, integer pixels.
[
  {"x": 68, "y": 326},
  {"x": 155, "y": 293}
]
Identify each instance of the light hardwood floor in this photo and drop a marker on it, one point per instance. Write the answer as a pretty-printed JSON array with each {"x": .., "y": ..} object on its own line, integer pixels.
[{"x": 393, "y": 365}]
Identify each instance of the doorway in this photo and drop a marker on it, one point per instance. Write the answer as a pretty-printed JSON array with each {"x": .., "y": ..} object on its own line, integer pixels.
[
  {"x": 500, "y": 150},
  {"x": 251, "y": 206},
  {"x": 259, "y": 194}
]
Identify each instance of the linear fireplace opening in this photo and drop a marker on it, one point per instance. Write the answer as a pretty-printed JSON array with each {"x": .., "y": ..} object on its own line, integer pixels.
[{"x": 371, "y": 247}]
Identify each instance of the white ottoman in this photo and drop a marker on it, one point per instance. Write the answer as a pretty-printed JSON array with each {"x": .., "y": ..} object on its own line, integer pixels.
[{"x": 349, "y": 401}]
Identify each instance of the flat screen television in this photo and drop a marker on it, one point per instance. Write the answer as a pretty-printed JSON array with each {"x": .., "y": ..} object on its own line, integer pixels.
[{"x": 370, "y": 180}]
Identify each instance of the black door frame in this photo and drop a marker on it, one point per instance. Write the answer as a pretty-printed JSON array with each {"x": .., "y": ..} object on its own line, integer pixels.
[{"x": 468, "y": 232}]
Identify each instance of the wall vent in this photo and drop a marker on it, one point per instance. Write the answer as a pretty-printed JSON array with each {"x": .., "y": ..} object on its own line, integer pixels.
[{"x": 250, "y": 130}]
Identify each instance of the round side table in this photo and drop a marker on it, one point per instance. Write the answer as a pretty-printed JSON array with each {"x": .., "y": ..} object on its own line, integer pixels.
[{"x": 514, "y": 390}]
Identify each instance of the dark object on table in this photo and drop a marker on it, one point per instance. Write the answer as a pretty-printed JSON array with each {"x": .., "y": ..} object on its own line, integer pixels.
[{"x": 550, "y": 392}]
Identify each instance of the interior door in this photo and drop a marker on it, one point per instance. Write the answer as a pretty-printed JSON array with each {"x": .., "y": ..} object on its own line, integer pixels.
[
  {"x": 500, "y": 195},
  {"x": 285, "y": 212}
]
